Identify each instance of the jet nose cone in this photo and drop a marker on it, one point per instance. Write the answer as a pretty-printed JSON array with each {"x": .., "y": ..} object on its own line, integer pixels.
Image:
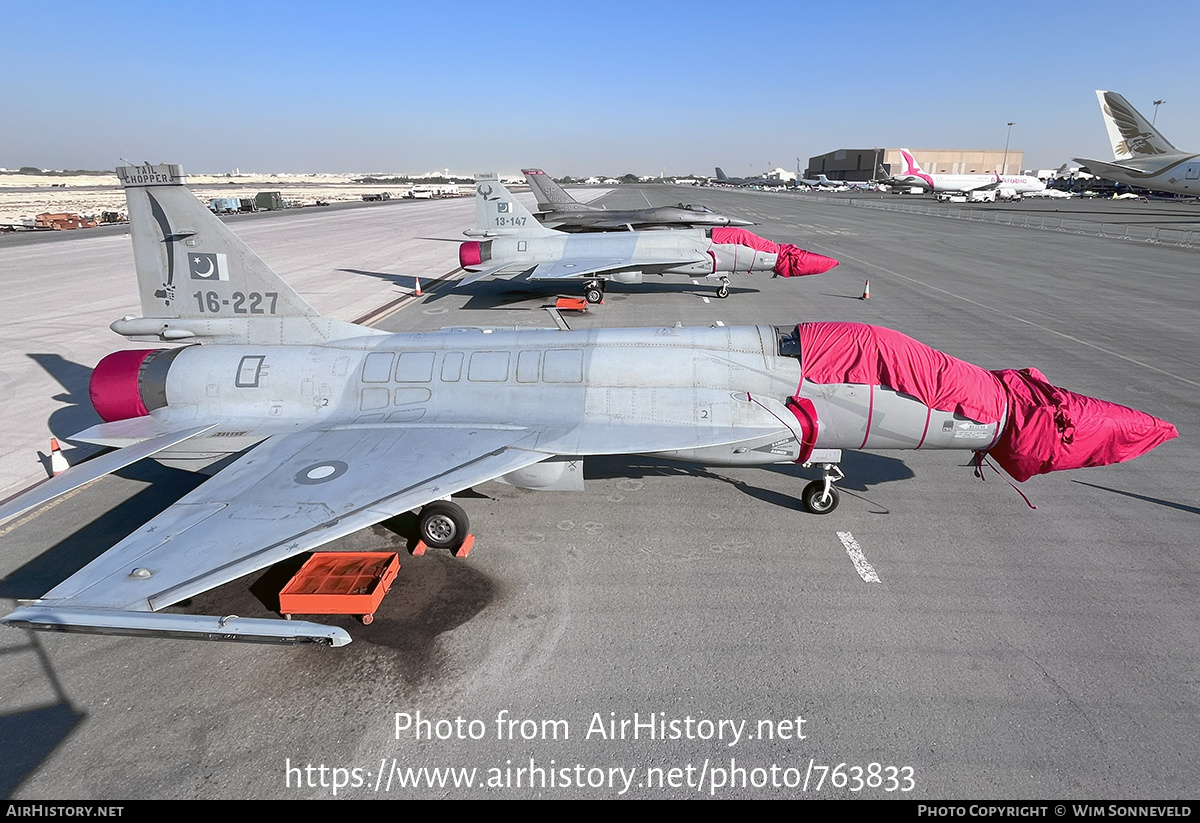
[
  {"x": 733, "y": 221},
  {"x": 797, "y": 262}
]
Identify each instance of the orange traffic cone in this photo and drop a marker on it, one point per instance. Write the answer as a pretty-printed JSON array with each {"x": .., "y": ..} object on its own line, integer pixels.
[
  {"x": 866, "y": 295},
  {"x": 58, "y": 463},
  {"x": 418, "y": 291}
]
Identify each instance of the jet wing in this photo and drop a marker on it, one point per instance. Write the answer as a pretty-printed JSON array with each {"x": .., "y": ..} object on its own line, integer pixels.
[
  {"x": 292, "y": 493},
  {"x": 582, "y": 267},
  {"x": 994, "y": 184}
]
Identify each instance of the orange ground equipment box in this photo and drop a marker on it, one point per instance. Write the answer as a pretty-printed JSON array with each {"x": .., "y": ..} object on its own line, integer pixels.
[
  {"x": 340, "y": 583},
  {"x": 571, "y": 304}
]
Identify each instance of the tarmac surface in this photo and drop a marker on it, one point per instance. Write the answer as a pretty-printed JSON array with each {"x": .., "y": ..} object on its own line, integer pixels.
[{"x": 677, "y": 631}]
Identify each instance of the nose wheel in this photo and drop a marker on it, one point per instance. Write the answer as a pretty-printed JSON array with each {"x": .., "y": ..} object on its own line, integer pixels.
[
  {"x": 593, "y": 291},
  {"x": 723, "y": 289},
  {"x": 820, "y": 496}
]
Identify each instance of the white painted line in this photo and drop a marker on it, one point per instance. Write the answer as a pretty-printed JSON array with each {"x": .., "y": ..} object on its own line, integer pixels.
[
  {"x": 719, "y": 323},
  {"x": 865, "y": 570},
  {"x": 705, "y": 299}
]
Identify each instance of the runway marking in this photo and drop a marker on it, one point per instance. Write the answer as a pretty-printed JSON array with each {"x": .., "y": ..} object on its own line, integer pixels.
[
  {"x": 1063, "y": 335},
  {"x": 719, "y": 323},
  {"x": 45, "y": 507},
  {"x": 865, "y": 570}
]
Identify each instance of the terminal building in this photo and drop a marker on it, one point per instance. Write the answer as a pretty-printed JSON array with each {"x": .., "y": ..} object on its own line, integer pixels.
[{"x": 860, "y": 165}]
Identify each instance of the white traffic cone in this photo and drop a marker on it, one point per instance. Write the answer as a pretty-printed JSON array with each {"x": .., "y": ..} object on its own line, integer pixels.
[
  {"x": 866, "y": 295},
  {"x": 58, "y": 463},
  {"x": 418, "y": 291}
]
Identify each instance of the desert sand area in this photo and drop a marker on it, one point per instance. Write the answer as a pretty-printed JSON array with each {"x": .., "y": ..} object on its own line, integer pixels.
[{"x": 24, "y": 196}]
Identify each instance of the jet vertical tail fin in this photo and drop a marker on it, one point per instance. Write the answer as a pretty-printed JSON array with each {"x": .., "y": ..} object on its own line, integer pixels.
[
  {"x": 197, "y": 280},
  {"x": 181, "y": 250},
  {"x": 497, "y": 212},
  {"x": 550, "y": 196},
  {"x": 1131, "y": 135},
  {"x": 721, "y": 178}
]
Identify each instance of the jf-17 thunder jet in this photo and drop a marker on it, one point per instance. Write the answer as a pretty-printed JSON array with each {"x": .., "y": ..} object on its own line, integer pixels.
[
  {"x": 1141, "y": 155},
  {"x": 559, "y": 210},
  {"x": 518, "y": 245},
  {"x": 316, "y": 428}
]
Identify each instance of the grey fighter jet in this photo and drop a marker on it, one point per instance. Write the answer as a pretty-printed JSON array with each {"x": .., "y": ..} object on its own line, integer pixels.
[
  {"x": 326, "y": 427},
  {"x": 559, "y": 210},
  {"x": 519, "y": 245}
]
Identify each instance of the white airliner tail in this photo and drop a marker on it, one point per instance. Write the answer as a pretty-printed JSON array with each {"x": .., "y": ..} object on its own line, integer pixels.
[{"x": 1131, "y": 135}]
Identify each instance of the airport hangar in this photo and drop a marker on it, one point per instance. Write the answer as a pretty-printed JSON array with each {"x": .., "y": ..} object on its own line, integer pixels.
[{"x": 860, "y": 165}]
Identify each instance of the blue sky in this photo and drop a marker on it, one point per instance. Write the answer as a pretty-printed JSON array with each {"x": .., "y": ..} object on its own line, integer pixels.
[{"x": 576, "y": 88}]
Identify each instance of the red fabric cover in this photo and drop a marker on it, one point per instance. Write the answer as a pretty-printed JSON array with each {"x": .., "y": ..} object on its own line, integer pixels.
[
  {"x": 113, "y": 387},
  {"x": 741, "y": 237},
  {"x": 796, "y": 262},
  {"x": 1048, "y": 428},
  {"x": 792, "y": 261},
  {"x": 806, "y": 415},
  {"x": 1051, "y": 428},
  {"x": 469, "y": 254},
  {"x": 873, "y": 355}
]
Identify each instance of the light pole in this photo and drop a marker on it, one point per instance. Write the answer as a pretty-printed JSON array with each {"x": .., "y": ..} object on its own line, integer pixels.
[
  {"x": 1004, "y": 163},
  {"x": 1157, "y": 103}
]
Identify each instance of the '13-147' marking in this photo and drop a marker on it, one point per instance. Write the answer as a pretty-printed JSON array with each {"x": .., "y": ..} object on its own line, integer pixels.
[{"x": 210, "y": 301}]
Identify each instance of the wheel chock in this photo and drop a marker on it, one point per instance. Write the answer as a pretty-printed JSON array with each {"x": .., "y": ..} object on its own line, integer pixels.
[
  {"x": 465, "y": 548},
  {"x": 571, "y": 304},
  {"x": 462, "y": 551}
]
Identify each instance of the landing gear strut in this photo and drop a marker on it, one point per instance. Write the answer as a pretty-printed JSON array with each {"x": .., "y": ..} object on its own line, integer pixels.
[
  {"x": 593, "y": 291},
  {"x": 723, "y": 289},
  {"x": 819, "y": 496}
]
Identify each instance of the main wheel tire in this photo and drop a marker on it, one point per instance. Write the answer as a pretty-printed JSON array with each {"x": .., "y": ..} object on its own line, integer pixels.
[
  {"x": 444, "y": 525},
  {"x": 594, "y": 294},
  {"x": 816, "y": 501},
  {"x": 723, "y": 290}
]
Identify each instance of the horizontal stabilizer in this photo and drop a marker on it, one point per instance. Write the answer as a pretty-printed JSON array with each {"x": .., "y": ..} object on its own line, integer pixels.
[
  {"x": 93, "y": 469},
  {"x": 184, "y": 626},
  {"x": 1100, "y": 168},
  {"x": 507, "y": 268}
]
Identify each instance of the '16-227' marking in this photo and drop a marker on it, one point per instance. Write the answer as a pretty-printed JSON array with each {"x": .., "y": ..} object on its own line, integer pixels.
[{"x": 252, "y": 303}]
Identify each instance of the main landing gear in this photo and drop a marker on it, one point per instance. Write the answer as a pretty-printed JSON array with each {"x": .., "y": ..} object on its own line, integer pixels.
[
  {"x": 593, "y": 291},
  {"x": 819, "y": 496},
  {"x": 723, "y": 289},
  {"x": 444, "y": 525}
]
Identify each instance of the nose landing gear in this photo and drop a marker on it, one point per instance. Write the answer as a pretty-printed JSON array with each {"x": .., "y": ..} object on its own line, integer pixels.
[
  {"x": 819, "y": 496},
  {"x": 593, "y": 291},
  {"x": 723, "y": 289}
]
